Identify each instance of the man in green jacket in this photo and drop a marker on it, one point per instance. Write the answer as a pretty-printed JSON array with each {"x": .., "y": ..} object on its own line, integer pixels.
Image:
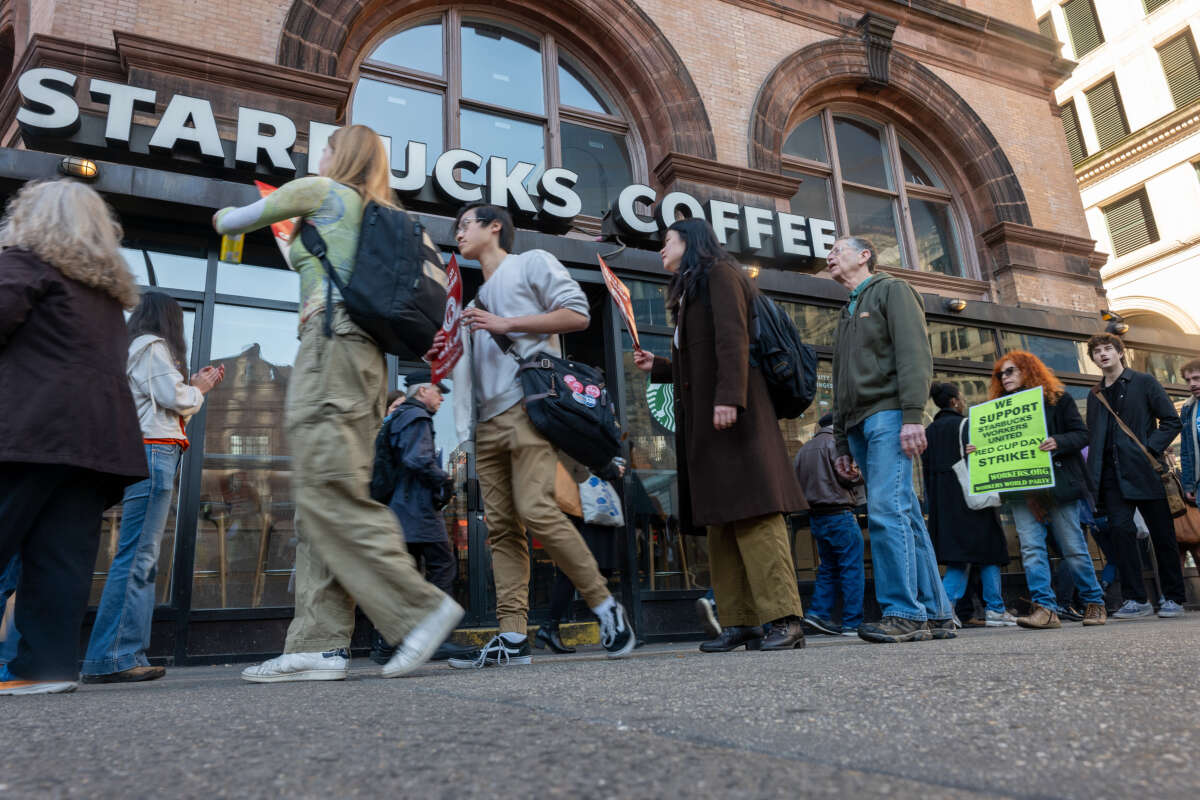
[{"x": 882, "y": 368}]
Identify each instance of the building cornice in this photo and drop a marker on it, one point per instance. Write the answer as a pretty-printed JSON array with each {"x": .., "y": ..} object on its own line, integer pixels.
[
  {"x": 1141, "y": 144},
  {"x": 693, "y": 169},
  {"x": 161, "y": 56}
]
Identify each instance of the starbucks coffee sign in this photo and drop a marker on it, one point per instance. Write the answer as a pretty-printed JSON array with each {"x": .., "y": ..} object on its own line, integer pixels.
[{"x": 187, "y": 126}]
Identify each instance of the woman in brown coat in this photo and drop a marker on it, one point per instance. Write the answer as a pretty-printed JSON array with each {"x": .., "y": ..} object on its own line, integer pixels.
[
  {"x": 739, "y": 477},
  {"x": 69, "y": 435}
]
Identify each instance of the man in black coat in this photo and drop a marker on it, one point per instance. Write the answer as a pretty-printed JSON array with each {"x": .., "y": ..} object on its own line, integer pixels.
[
  {"x": 1125, "y": 477},
  {"x": 422, "y": 490}
]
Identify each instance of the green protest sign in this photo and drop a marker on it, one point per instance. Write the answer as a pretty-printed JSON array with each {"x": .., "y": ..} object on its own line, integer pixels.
[{"x": 1006, "y": 433}]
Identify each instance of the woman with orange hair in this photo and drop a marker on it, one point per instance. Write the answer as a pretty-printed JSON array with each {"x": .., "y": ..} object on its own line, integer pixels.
[{"x": 1038, "y": 513}]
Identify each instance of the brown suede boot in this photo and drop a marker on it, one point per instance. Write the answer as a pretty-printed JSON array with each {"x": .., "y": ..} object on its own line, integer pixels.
[
  {"x": 1095, "y": 614},
  {"x": 1040, "y": 618}
]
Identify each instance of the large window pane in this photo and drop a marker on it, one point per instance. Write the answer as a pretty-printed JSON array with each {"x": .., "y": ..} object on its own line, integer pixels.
[
  {"x": 874, "y": 217},
  {"x": 251, "y": 281},
  {"x": 961, "y": 342},
  {"x": 577, "y": 91},
  {"x": 402, "y": 114},
  {"x": 492, "y": 135},
  {"x": 649, "y": 304},
  {"x": 501, "y": 67},
  {"x": 1167, "y": 367},
  {"x": 812, "y": 198},
  {"x": 936, "y": 245},
  {"x": 245, "y": 536},
  {"x": 807, "y": 141},
  {"x": 1065, "y": 355},
  {"x": 817, "y": 324},
  {"x": 166, "y": 270},
  {"x": 602, "y": 162},
  {"x": 418, "y": 48},
  {"x": 916, "y": 168},
  {"x": 860, "y": 152}
]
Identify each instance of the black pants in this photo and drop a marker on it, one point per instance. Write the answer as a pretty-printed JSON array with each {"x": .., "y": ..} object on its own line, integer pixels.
[
  {"x": 440, "y": 566},
  {"x": 50, "y": 515},
  {"x": 1123, "y": 538}
]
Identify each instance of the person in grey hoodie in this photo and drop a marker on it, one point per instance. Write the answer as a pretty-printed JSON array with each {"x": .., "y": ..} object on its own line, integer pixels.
[{"x": 165, "y": 401}]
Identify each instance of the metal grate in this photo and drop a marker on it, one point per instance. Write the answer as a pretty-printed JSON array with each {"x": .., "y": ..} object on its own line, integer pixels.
[
  {"x": 1154, "y": 5},
  {"x": 1070, "y": 123},
  {"x": 1046, "y": 28},
  {"x": 1083, "y": 26},
  {"x": 1104, "y": 101},
  {"x": 1182, "y": 69},
  {"x": 1131, "y": 223}
]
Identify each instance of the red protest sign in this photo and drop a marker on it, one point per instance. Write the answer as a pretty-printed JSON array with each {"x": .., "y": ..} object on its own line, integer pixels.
[
  {"x": 285, "y": 230},
  {"x": 620, "y": 295},
  {"x": 452, "y": 349}
]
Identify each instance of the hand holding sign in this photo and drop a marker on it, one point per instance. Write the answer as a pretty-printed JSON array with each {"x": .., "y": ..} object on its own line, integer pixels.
[{"x": 448, "y": 342}]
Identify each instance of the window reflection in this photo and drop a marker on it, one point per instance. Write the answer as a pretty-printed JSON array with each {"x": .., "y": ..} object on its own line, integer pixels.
[
  {"x": 860, "y": 151},
  {"x": 807, "y": 141},
  {"x": 937, "y": 245},
  {"x": 403, "y": 114},
  {"x": 501, "y": 67},
  {"x": 602, "y": 162},
  {"x": 419, "y": 48},
  {"x": 245, "y": 537},
  {"x": 492, "y": 134},
  {"x": 1167, "y": 367},
  {"x": 961, "y": 342},
  {"x": 166, "y": 270},
  {"x": 649, "y": 304},
  {"x": 916, "y": 168},
  {"x": 251, "y": 281},
  {"x": 1061, "y": 355},
  {"x": 817, "y": 324},
  {"x": 874, "y": 217},
  {"x": 574, "y": 89},
  {"x": 812, "y": 198}
]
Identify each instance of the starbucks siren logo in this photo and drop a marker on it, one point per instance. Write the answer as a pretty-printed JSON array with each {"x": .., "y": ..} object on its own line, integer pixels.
[{"x": 661, "y": 399}]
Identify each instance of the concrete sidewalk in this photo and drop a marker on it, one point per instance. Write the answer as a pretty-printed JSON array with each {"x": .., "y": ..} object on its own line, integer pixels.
[{"x": 1087, "y": 713}]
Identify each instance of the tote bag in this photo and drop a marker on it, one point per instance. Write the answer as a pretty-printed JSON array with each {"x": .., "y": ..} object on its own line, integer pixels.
[{"x": 975, "y": 502}]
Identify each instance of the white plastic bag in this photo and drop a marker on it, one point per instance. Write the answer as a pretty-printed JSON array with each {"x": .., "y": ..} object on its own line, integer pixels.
[{"x": 601, "y": 503}]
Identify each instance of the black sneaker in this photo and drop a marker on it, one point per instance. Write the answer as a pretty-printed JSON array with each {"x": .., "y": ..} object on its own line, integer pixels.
[
  {"x": 1071, "y": 613},
  {"x": 381, "y": 651},
  {"x": 815, "y": 624},
  {"x": 616, "y": 634},
  {"x": 942, "y": 628},
  {"x": 894, "y": 629},
  {"x": 499, "y": 652}
]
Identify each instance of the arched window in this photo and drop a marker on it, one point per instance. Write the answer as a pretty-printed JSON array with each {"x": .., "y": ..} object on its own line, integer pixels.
[
  {"x": 872, "y": 181},
  {"x": 458, "y": 80}
]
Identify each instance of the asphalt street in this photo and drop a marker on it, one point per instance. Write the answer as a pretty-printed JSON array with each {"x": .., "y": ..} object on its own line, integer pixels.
[{"x": 1078, "y": 713}]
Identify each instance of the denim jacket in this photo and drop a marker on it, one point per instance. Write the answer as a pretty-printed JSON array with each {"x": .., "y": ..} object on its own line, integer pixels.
[{"x": 1188, "y": 449}]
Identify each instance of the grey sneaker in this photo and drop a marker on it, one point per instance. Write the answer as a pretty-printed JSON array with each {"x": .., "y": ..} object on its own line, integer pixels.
[
  {"x": 1134, "y": 610},
  {"x": 1170, "y": 609}
]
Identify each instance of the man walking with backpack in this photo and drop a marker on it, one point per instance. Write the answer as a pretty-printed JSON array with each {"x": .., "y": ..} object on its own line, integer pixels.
[
  {"x": 532, "y": 299},
  {"x": 1131, "y": 423},
  {"x": 882, "y": 368}
]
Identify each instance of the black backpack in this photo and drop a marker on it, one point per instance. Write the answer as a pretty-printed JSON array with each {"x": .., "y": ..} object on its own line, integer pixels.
[
  {"x": 397, "y": 292},
  {"x": 788, "y": 364},
  {"x": 385, "y": 472}
]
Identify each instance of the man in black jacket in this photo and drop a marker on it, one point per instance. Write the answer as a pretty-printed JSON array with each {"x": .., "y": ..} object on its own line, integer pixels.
[{"x": 1125, "y": 477}]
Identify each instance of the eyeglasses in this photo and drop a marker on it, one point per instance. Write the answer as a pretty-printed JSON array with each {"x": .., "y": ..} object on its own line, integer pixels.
[
  {"x": 465, "y": 223},
  {"x": 1009, "y": 370}
]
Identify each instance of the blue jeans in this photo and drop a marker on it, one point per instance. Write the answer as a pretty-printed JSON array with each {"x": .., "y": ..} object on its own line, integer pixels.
[
  {"x": 840, "y": 546},
  {"x": 907, "y": 582},
  {"x": 122, "y": 630},
  {"x": 10, "y": 576},
  {"x": 955, "y": 583},
  {"x": 1063, "y": 522}
]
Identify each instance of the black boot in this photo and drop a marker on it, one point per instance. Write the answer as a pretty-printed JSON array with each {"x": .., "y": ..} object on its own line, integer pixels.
[
  {"x": 785, "y": 633},
  {"x": 547, "y": 636},
  {"x": 734, "y": 637}
]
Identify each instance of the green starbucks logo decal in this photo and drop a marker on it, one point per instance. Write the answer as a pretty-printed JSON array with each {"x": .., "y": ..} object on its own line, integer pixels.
[{"x": 660, "y": 397}]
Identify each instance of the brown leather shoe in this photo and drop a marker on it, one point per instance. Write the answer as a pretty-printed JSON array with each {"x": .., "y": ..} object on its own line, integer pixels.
[
  {"x": 1095, "y": 614},
  {"x": 784, "y": 634},
  {"x": 1040, "y": 618},
  {"x": 131, "y": 675}
]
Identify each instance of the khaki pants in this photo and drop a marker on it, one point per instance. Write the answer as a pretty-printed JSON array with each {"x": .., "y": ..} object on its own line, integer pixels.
[
  {"x": 753, "y": 577},
  {"x": 350, "y": 547},
  {"x": 516, "y": 468}
]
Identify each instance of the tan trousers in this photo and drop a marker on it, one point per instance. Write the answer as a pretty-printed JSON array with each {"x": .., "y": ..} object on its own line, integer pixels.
[
  {"x": 516, "y": 468},
  {"x": 753, "y": 576},
  {"x": 350, "y": 547}
]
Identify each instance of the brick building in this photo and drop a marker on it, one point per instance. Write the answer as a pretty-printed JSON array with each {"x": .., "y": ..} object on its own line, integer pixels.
[{"x": 928, "y": 125}]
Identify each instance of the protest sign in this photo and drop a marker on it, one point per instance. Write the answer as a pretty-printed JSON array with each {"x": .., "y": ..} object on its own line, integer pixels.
[
  {"x": 1006, "y": 433},
  {"x": 283, "y": 231},
  {"x": 620, "y": 296},
  {"x": 452, "y": 350}
]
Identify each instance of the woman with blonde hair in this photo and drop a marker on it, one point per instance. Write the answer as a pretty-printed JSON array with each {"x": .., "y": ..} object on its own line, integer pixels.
[
  {"x": 69, "y": 436},
  {"x": 1039, "y": 513},
  {"x": 350, "y": 549}
]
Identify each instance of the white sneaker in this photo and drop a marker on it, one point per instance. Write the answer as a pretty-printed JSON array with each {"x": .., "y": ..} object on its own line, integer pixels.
[
  {"x": 16, "y": 686},
  {"x": 1000, "y": 619},
  {"x": 328, "y": 666},
  {"x": 420, "y": 643}
]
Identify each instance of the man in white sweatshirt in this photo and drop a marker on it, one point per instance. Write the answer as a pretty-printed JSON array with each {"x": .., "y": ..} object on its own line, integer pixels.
[{"x": 531, "y": 298}]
